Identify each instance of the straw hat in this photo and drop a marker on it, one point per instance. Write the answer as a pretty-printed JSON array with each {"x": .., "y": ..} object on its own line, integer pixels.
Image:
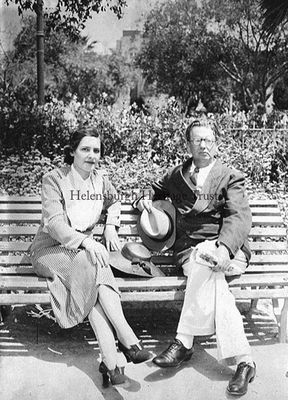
[
  {"x": 157, "y": 228},
  {"x": 134, "y": 259}
]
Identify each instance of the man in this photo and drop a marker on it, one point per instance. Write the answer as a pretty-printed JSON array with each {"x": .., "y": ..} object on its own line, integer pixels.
[{"x": 213, "y": 216}]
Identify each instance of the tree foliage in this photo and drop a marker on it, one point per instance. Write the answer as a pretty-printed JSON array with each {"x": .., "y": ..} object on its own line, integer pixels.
[
  {"x": 95, "y": 78},
  {"x": 252, "y": 60},
  {"x": 275, "y": 12},
  {"x": 70, "y": 16},
  {"x": 206, "y": 50},
  {"x": 72, "y": 68},
  {"x": 174, "y": 54}
]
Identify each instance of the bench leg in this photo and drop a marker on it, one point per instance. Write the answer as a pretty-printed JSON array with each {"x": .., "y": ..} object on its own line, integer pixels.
[
  {"x": 253, "y": 303},
  {"x": 283, "y": 336},
  {"x": 4, "y": 313}
]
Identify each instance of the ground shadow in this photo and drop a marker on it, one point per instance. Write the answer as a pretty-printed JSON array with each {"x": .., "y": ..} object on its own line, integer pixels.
[
  {"x": 201, "y": 361},
  {"x": 42, "y": 338},
  {"x": 22, "y": 335}
]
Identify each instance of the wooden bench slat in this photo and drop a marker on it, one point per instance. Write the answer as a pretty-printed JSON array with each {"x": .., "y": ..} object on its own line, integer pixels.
[
  {"x": 22, "y": 283},
  {"x": 256, "y": 259},
  {"x": 125, "y": 200},
  {"x": 15, "y": 260},
  {"x": 158, "y": 283},
  {"x": 16, "y": 218},
  {"x": 268, "y": 246},
  {"x": 257, "y": 232},
  {"x": 19, "y": 199},
  {"x": 260, "y": 293},
  {"x": 14, "y": 246},
  {"x": 267, "y": 268},
  {"x": 132, "y": 231},
  {"x": 21, "y": 208},
  {"x": 37, "y": 199},
  {"x": 36, "y": 283},
  {"x": 269, "y": 259},
  {"x": 44, "y": 298},
  {"x": 36, "y": 208},
  {"x": 179, "y": 295},
  {"x": 17, "y": 230},
  {"x": 177, "y": 282},
  {"x": 29, "y": 218},
  {"x": 265, "y": 211},
  {"x": 255, "y": 246},
  {"x": 256, "y": 220},
  {"x": 167, "y": 269},
  {"x": 263, "y": 202},
  {"x": 19, "y": 270},
  {"x": 128, "y": 219},
  {"x": 24, "y": 298},
  {"x": 261, "y": 280}
]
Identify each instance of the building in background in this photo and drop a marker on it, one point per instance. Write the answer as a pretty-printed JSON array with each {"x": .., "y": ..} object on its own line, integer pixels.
[{"x": 128, "y": 46}]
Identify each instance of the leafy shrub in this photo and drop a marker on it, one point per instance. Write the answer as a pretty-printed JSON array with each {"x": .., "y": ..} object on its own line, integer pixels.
[
  {"x": 22, "y": 174},
  {"x": 256, "y": 154},
  {"x": 24, "y": 127},
  {"x": 138, "y": 147},
  {"x": 46, "y": 128}
]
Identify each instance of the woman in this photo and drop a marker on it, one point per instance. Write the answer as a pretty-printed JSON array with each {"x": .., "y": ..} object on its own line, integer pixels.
[{"x": 80, "y": 280}]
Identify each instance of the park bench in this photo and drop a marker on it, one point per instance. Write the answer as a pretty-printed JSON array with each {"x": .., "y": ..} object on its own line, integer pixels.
[{"x": 266, "y": 277}]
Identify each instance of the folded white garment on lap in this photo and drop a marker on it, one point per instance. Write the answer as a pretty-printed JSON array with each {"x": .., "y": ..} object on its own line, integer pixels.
[{"x": 205, "y": 254}]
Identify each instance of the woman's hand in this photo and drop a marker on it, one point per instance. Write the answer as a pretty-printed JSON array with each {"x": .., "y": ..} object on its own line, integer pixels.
[
  {"x": 96, "y": 252},
  {"x": 111, "y": 238}
]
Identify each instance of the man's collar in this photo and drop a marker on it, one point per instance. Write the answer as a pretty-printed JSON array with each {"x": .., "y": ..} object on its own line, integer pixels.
[
  {"x": 207, "y": 168},
  {"x": 188, "y": 163}
]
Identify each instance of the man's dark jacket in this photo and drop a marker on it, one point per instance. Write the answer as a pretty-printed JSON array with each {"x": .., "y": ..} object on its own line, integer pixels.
[{"x": 221, "y": 210}]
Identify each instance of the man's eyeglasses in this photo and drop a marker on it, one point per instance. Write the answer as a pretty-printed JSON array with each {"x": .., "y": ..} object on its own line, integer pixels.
[{"x": 208, "y": 142}]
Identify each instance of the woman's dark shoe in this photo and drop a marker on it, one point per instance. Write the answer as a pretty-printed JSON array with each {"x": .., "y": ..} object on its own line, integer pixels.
[
  {"x": 115, "y": 376},
  {"x": 136, "y": 353},
  {"x": 244, "y": 374}
]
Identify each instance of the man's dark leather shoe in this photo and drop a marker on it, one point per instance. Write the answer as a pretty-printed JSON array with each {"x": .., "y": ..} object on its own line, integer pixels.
[
  {"x": 173, "y": 356},
  {"x": 244, "y": 374}
]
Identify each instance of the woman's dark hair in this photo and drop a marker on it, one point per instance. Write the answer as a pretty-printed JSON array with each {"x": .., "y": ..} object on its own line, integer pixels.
[
  {"x": 202, "y": 122},
  {"x": 76, "y": 138}
]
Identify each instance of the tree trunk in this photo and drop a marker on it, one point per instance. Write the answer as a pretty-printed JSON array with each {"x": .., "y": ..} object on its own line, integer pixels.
[
  {"x": 40, "y": 52},
  {"x": 269, "y": 99}
]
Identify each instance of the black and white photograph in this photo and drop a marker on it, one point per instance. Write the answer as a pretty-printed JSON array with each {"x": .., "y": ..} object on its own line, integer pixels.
[{"x": 143, "y": 199}]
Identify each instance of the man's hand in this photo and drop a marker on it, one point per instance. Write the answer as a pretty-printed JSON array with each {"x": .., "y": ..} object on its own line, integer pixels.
[
  {"x": 144, "y": 204},
  {"x": 111, "y": 238},
  {"x": 223, "y": 257},
  {"x": 96, "y": 252}
]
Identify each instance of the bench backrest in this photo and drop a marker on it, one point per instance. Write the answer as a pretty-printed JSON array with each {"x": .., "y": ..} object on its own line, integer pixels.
[{"x": 20, "y": 216}]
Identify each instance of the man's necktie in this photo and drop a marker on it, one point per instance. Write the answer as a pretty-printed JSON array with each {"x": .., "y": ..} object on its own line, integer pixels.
[{"x": 194, "y": 175}]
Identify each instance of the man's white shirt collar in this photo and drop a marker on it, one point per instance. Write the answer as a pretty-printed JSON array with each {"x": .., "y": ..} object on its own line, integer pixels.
[{"x": 202, "y": 175}]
